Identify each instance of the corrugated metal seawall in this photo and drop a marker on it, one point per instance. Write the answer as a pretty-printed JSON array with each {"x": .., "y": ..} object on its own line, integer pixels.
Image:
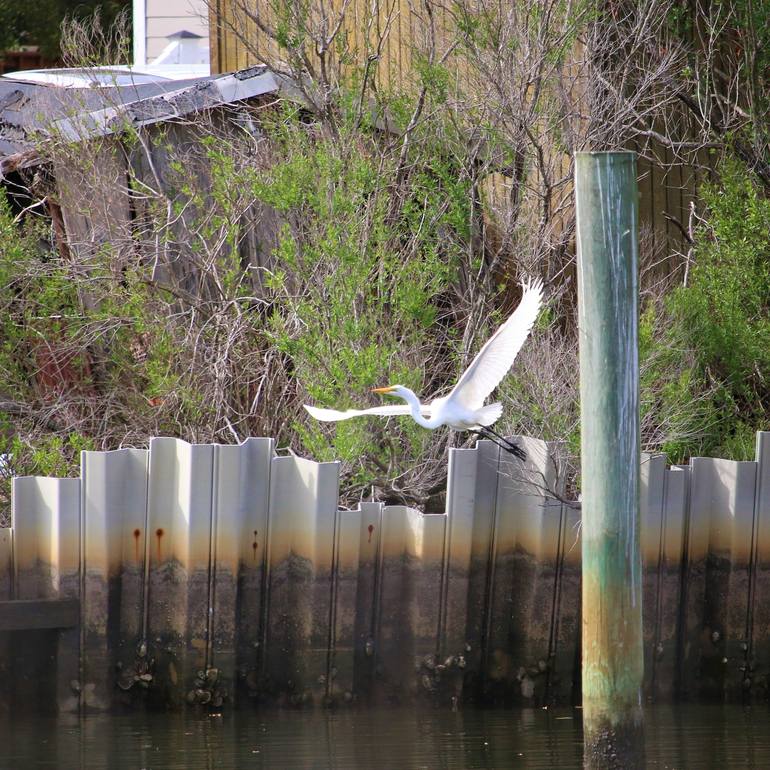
[{"x": 220, "y": 575}]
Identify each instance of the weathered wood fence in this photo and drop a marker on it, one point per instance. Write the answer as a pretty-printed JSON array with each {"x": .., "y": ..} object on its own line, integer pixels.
[{"x": 214, "y": 575}]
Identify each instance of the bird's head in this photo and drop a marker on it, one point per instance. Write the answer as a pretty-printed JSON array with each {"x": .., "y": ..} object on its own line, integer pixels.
[{"x": 391, "y": 390}]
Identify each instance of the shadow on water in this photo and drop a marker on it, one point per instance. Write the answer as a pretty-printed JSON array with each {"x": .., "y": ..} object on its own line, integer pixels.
[{"x": 376, "y": 739}]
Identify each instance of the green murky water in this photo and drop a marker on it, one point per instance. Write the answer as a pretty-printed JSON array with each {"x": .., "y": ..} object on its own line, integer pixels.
[{"x": 380, "y": 739}]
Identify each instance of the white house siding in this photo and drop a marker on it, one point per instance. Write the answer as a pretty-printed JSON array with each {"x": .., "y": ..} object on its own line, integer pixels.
[{"x": 164, "y": 17}]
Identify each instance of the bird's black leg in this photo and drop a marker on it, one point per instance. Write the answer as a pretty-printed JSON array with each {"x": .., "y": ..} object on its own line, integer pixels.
[
  {"x": 503, "y": 443},
  {"x": 489, "y": 437},
  {"x": 508, "y": 445},
  {"x": 505, "y": 440}
]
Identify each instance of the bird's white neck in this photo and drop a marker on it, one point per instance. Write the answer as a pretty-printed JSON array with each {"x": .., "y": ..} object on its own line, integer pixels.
[{"x": 417, "y": 415}]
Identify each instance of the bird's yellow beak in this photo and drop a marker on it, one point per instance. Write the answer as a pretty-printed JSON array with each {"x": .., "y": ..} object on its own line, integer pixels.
[{"x": 389, "y": 389}]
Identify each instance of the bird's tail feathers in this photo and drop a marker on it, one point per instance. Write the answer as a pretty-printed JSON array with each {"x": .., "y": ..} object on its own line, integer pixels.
[{"x": 490, "y": 413}]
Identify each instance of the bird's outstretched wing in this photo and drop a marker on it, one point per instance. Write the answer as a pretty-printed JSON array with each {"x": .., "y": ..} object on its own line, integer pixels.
[
  {"x": 332, "y": 415},
  {"x": 497, "y": 355}
]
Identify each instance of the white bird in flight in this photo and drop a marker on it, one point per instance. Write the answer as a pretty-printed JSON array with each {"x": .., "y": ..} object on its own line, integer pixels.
[{"x": 463, "y": 408}]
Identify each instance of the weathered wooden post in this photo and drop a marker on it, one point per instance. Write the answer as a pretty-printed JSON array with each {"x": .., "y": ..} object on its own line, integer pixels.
[{"x": 612, "y": 669}]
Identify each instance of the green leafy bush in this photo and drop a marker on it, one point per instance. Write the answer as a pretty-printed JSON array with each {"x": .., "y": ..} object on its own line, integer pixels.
[
  {"x": 706, "y": 356},
  {"x": 359, "y": 289}
]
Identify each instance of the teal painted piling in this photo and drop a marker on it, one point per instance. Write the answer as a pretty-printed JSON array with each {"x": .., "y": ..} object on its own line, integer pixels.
[{"x": 612, "y": 667}]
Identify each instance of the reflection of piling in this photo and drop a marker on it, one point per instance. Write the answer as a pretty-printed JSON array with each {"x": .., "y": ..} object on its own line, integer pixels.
[{"x": 607, "y": 207}]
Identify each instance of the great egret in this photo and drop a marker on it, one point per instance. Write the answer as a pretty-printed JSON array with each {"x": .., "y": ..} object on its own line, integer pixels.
[{"x": 463, "y": 408}]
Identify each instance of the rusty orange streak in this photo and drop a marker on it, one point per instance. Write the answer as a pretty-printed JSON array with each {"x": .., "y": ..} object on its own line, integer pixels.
[
  {"x": 137, "y": 535},
  {"x": 159, "y": 533}
]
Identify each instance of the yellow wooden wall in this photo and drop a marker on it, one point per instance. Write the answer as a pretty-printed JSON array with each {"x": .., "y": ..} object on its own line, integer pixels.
[
  {"x": 401, "y": 23},
  {"x": 666, "y": 187}
]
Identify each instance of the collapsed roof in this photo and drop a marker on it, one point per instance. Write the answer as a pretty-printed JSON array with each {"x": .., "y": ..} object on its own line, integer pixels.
[{"x": 31, "y": 112}]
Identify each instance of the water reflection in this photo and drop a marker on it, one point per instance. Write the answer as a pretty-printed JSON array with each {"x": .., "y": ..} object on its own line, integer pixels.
[{"x": 379, "y": 739}]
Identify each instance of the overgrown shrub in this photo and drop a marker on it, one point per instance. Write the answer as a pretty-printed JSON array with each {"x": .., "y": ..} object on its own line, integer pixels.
[
  {"x": 257, "y": 274},
  {"x": 706, "y": 351}
]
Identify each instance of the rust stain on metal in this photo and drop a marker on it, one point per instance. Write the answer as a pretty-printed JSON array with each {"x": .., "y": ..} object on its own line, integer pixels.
[
  {"x": 137, "y": 535},
  {"x": 371, "y": 530},
  {"x": 159, "y": 534},
  {"x": 255, "y": 545}
]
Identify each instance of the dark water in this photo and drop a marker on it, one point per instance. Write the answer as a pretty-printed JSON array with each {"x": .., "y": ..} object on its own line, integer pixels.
[{"x": 677, "y": 737}]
